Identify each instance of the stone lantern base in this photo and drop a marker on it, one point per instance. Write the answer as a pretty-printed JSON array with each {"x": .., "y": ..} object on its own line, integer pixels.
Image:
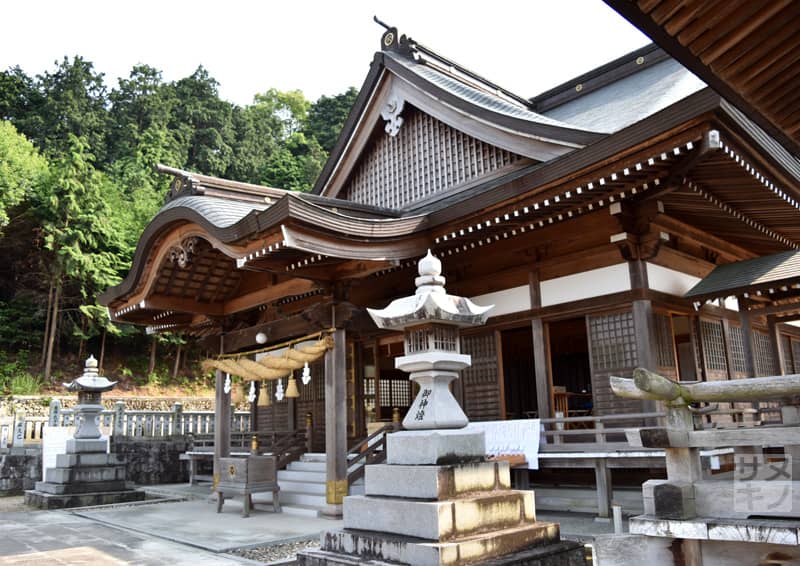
[
  {"x": 86, "y": 475},
  {"x": 438, "y": 502}
]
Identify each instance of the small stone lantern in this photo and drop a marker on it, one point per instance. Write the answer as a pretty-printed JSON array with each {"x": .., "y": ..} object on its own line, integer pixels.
[
  {"x": 89, "y": 387},
  {"x": 430, "y": 320}
]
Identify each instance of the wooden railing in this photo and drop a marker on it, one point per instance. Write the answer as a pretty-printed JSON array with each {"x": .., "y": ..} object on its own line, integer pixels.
[
  {"x": 371, "y": 450},
  {"x": 285, "y": 446}
]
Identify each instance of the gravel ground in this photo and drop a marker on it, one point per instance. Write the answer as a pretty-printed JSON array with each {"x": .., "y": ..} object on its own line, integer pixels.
[{"x": 275, "y": 552}]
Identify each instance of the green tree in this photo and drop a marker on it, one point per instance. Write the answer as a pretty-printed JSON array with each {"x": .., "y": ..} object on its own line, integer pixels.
[
  {"x": 20, "y": 101},
  {"x": 74, "y": 102},
  {"x": 141, "y": 103},
  {"x": 22, "y": 170},
  {"x": 79, "y": 233},
  {"x": 327, "y": 116},
  {"x": 202, "y": 123}
]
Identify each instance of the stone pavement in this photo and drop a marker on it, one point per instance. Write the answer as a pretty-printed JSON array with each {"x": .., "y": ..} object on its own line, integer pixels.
[
  {"x": 58, "y": 537},
  {"x": 178, "y": 532},
  {"x": 174, "y": 532}
]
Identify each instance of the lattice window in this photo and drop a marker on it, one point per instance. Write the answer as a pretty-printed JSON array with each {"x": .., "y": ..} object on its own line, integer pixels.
[
  {"x": 426, "y": 157},
  {"x": 483, "y": 350},
  {"x": 762, "y": 350},
  {"x": 613, "y": 341},
  {"x": 665, "y": 350},
  {"x": 395, "y": 393},
  {"x": 786, "y": 349},
  {"x": 737, "y": 349},
  {"x": 315, "y": 389},
  {"x": 713, "y": 345},
  {"x": 796, "y": 355}
]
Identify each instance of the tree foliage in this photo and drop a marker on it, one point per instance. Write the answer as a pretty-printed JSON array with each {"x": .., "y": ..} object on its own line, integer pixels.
[{"x": 78, "y": 183}]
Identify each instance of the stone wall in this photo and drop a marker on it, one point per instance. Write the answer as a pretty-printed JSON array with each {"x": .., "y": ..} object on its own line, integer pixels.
[
  {"x": 20, "y": 469},
  {"x": 152, "y": 461}
]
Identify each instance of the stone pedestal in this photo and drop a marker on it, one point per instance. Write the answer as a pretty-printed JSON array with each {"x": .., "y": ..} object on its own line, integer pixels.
[
  {"x": 438, "y": 502},
  {"x": 86, "y": 475}
]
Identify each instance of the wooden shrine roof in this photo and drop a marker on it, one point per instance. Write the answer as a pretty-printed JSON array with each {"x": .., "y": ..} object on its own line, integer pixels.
[
  {"x": 219, "y": 248},
  {"x": 752, "y": 275},
  {"x": 747, "y": 50}
]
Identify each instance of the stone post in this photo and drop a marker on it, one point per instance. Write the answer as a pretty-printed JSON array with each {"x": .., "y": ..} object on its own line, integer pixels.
[
  {"x": 177, "y": 419},
  {"x": 18, "y": 439},
  {"x": 54, "y": 419},
  {"x": 119, "y": 418}
]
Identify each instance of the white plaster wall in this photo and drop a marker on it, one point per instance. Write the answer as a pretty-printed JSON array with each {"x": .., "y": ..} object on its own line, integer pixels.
[
  {"x": 506, "y": 301},
  {"x": 669, "y": 281},
  {"x": 587, "y": 284}
]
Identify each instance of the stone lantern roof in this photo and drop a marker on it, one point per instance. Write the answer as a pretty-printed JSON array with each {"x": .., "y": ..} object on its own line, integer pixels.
[
  {"x": 91, "y": 380},
  {"x": 430, "y": 303}
]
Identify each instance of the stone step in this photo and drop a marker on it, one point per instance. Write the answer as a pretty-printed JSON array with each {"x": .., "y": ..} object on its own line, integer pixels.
[
  {"x": 313, "y": 457},
  {"x": 83, "y": 474},
  {"x": 440, "y": 520},
  {"x": 292, "y": 475},
  {"x": 300, "y": 466},
  {"x": 91, "y": 459},
  {"x": 61, "y": 501},
  {"x": 310, "y": 488},
  {"x": 290, "y": 498},
  {"x": 540, "y": 539},
  {"x": 301, "y": 510},
  {"x": 76, "y": 488}
]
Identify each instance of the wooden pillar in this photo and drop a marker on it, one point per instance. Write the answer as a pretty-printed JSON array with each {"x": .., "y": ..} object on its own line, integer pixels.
[
  {"x": 747, "y": 336},
  {"x": 539, "y": 349},
  {"x": 336, "y": 424},
  {"x": 643, "y": 323},
  {"x": 775, "y": 341},
  {"x": 222, "y": 423}
]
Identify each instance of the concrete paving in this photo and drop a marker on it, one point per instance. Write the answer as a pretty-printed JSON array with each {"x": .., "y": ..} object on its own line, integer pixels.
[
  {"x": 180, "y": 532},
  {"x": 196, "y": 523},
  {"x": 59, "y": 537}
]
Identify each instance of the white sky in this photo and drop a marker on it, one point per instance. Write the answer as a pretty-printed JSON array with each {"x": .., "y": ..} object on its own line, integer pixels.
[{"x": 318, "y": 46}]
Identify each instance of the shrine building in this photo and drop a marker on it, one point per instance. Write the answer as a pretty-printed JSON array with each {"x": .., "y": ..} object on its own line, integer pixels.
[{"x": 589, "y": 216}]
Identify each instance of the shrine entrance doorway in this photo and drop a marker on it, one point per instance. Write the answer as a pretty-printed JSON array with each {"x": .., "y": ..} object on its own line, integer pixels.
[
  {"x": 570, "y": 368},
  {"x": 519, "y": 379}
]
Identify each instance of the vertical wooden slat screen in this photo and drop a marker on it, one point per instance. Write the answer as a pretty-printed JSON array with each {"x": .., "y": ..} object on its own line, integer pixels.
[
  {"x": 426, "y": 157},
  {"x": 786, "y": 349},
  {"x": 796, "y": 355},
  {"x": 480, "y": 382},
  {"x": 665, "y": 346},
  {"x": 612, "y": 351},
  {"x": 716, "y": 362},
  {"x": 764, "y": 358}
]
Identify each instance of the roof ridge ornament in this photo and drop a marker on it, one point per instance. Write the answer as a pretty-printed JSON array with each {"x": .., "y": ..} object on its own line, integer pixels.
[{"x": 391, "y": 40}]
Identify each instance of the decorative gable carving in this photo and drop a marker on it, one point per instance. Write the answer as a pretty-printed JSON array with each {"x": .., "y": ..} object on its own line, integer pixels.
[{"x": 423, "y": 158}]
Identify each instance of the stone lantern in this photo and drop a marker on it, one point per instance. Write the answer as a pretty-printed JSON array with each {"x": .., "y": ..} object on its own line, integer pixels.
[
  {"x": 89, "y": 386},
  {"x": 437, "y": 500},
  {"x": 430, "y": 320},
  {"x": 86, "y": 474}
]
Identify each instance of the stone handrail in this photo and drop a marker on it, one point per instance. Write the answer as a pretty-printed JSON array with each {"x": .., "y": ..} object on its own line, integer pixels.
[{"x": 152, "y": 423}]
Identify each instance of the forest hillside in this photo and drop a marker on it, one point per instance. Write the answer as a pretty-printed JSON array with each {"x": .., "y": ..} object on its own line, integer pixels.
[{"x": 78, "y": 185}]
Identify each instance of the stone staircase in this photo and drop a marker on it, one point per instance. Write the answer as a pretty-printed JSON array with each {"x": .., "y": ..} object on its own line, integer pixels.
[{"x": 302, "y": 485}]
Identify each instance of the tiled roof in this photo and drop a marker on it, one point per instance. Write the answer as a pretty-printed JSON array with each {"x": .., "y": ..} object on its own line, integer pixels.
[
  {"x": 757, "y": 272},
  {"x": 475, "y": 93}
]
